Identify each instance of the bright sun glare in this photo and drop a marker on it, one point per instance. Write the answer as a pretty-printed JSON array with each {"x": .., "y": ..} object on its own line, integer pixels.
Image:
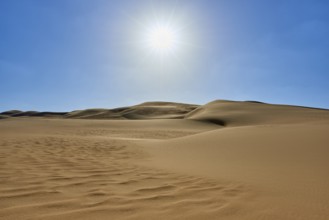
[{"x": 162, "y": 39}]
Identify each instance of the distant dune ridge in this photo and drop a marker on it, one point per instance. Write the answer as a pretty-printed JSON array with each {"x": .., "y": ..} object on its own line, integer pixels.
[
  {"x": 147, "y": 110},
  {"x": 222, "y": 112},
  {"x": 163, "y": 160}
]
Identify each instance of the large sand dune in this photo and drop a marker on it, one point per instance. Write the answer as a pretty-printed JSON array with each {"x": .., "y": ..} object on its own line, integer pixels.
[{"x": 222, "y": 160}]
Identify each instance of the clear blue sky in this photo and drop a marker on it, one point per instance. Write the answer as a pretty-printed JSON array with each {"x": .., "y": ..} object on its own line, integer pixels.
[{"x": 61, "y": 55}]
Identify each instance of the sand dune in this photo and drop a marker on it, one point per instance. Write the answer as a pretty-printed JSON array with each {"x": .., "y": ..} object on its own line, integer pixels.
[
  {"x": 147, "y": 110},
  {"x": 230, "y": 113},
  {"x": 286, "y": 165},
  {"x": 222, "y": 160}
]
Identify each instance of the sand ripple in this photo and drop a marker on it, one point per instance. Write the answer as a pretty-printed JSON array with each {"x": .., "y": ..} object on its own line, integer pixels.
[{"x": 60, "y": 177}]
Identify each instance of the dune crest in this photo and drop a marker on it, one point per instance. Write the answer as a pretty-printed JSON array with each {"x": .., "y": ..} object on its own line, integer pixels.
[
  {"x": 232, "y": 113},
  {"x": 147, "y": 110}
]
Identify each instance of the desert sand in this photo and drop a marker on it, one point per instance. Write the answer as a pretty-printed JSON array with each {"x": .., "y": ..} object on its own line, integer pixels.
[{"x": 161, "y": 160}]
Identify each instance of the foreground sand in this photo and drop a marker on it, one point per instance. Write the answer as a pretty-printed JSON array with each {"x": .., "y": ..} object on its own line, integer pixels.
[{"x": 225, "y": 160}]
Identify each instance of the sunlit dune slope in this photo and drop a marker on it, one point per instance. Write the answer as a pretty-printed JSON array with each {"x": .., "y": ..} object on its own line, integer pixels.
[
  {"x": 232, "y": 113},
  {"x": 280, "y": 150},
  {"x": 147, "y": 110}
]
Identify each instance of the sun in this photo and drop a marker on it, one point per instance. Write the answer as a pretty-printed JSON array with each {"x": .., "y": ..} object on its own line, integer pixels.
[{"x": 162, "y": 39}]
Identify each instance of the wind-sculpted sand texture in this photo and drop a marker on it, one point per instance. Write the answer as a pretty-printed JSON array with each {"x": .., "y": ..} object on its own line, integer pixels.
[
  {"x": 79, "y": 169},
  {"x": 56, "y": 177}
]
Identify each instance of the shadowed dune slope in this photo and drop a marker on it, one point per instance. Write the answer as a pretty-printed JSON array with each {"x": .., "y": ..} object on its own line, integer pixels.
[
  {"x": 11, "y": 112},
  {"x": 17, "y": 113},
  {"x": 232, "y": 113}
]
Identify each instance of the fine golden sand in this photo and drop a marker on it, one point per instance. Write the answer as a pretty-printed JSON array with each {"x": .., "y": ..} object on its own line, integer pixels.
[{"x": 222, "y": 160}]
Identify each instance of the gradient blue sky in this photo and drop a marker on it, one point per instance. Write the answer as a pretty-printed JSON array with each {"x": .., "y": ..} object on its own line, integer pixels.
[{"x": 61, "y": 55}]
